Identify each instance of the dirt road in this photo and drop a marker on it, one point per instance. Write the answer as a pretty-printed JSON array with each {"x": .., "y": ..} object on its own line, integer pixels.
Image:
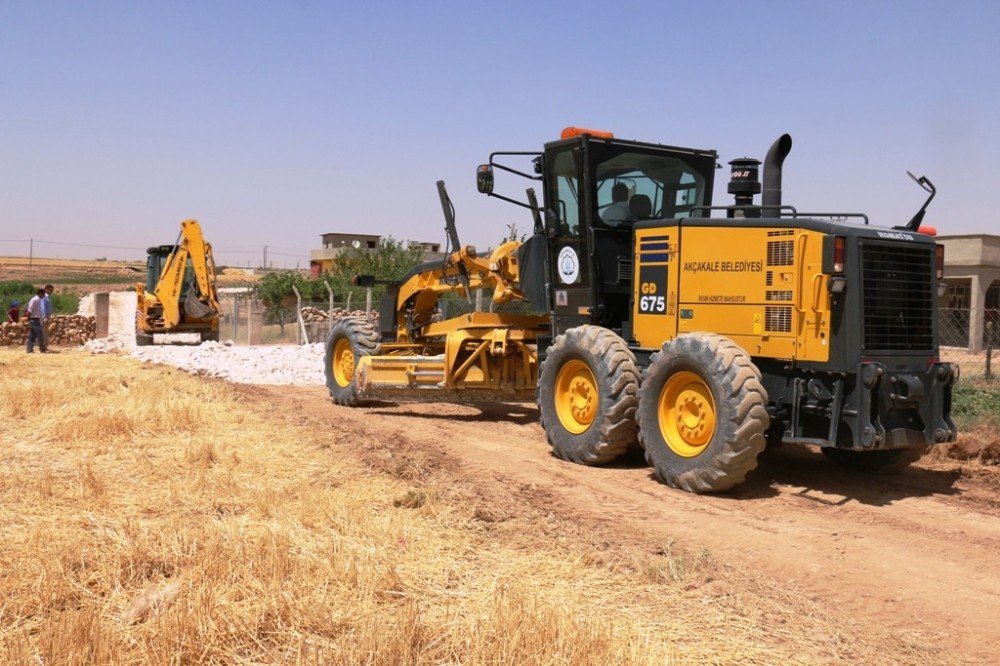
[{"x": 918, "y": 553}]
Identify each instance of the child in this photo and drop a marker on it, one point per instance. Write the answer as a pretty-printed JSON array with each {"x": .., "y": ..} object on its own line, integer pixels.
[{"x": 14, "y": 313}]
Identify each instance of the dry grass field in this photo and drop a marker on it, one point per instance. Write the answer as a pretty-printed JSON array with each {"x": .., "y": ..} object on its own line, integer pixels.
[
  {"x": 80, "y": 276},
  {"x": 149, "y": 516}
]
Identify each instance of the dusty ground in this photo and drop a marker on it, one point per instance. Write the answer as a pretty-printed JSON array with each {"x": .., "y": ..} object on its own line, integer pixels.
[{"x": 916, "y": 554}]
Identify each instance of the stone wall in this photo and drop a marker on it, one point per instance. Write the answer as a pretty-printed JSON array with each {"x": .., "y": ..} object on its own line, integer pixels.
[
  {"x": 312, "y": 315},
  {"x": 61, "y": 329}
]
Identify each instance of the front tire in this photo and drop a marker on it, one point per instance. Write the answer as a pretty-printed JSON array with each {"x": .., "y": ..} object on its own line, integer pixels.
[
  {"x": 349, "y": 340},
  {"x": 702, "y": 413},
  {"x": 587, "y": 389}
]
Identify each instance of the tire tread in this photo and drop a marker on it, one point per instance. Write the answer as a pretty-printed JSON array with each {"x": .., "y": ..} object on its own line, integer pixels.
[
  {"x": 617, "y": 372},
  {"x": 749, "y": 421}
]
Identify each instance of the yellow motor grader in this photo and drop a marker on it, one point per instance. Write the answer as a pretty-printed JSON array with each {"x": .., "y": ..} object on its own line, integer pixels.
[{"x": 697, "y": 332}]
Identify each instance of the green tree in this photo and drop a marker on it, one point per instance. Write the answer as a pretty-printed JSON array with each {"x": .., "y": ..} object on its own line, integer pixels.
[
  {"x": 391, "y": 260},
  {"x": 275, "y": 290}
]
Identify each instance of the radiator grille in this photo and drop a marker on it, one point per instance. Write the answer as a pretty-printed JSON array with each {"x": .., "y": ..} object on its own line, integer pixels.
[
  {"x": 778, "y": 319},
  {"x": 780, "y": 253},
  {"x": 898, "y": 297}
]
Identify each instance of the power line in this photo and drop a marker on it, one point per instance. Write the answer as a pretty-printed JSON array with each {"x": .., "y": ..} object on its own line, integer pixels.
[
  {"x": 286, "y": 254},
  {"x": 303, "y": 255},
  {"x": 100, "y": 247}
]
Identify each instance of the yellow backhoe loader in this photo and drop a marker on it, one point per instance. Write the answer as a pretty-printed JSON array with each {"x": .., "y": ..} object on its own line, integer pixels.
[{"x": 179, "y": 295}]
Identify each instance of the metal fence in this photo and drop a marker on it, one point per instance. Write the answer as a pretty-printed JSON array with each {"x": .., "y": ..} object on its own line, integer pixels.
[
  {"x": 245, "y": 320},
  {"x": 959, "y": 342}
]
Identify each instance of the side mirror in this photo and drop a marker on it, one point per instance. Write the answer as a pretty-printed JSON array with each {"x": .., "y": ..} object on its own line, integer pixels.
[{"x": 484, "y": 179}]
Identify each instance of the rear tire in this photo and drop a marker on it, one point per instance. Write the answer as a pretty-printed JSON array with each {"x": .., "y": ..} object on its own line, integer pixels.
[
  {"x": 349, "y": 340},
  {"x": 884, "y": 461},
  {"x": 702, "y": 413},
  {"x": 587, "y": 389},
  {"x": 143, "y": 339}
]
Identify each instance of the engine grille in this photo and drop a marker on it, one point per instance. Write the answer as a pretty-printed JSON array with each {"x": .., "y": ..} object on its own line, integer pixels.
[
  {"x": 898, "y": 298},
  {"x": 778, "y": 319}
]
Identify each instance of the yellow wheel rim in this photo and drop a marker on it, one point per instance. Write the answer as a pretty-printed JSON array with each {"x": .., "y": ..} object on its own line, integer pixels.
[
  {"x": 342, "y": 363},
  {"x": 576, "y": 396},
  {"x": 686, "y": 412}
]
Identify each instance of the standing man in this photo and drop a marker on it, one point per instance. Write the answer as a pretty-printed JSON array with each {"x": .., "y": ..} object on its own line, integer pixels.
[
  {"x": 46, "y": 315},
  {"x": 35, "y": 314}
]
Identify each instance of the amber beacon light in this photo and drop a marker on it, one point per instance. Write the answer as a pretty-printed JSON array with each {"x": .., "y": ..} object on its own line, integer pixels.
[{"x": 571, "y": 132}]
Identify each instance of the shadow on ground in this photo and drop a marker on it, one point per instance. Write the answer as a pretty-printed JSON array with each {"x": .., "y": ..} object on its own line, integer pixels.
[
  {"x": 824, "y": 482},
  {"x": 810, "y": 475},
  {"x": 517, "y": 413}
]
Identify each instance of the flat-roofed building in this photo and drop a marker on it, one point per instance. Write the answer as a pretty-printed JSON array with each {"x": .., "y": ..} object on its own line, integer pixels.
[
  {"x": 321, "y": 260},
  {"x": 970, "y": 307}
]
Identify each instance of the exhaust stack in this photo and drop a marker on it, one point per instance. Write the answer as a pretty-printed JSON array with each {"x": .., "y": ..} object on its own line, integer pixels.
[{"x": 771, "y": 196}]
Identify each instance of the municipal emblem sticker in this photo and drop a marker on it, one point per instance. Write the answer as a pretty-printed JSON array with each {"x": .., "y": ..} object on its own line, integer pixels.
[{"x": 569, "y": 265}]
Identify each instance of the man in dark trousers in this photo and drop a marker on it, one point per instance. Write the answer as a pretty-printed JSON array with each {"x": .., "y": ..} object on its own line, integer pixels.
[
  {"x": 46, "y": 316},
  {"x": 35, "y": 314}
]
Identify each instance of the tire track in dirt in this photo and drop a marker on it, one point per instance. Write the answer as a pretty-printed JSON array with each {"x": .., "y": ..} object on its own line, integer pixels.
[{"x": 918, "y": 552}]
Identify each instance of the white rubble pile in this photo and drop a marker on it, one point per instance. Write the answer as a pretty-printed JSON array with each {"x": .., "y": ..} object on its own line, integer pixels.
[
  {"x": 272, "y": 364},
  {"x": 115, "y": 342}
]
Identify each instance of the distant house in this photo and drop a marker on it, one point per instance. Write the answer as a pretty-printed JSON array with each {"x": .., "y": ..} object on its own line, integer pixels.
[
  {"x": 971, "y": 303},
  {"x": 321, "y": 260}
]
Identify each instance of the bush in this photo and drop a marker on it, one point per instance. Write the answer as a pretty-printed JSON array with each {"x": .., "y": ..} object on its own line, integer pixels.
[
  {"x": 11, "y": 290},
  {"x": 976, "y": 402}
]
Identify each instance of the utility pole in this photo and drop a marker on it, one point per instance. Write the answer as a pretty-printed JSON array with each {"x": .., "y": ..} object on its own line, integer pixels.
[
  {"x": 31, "y": 252},
  {"x": 265, "y": 256}
]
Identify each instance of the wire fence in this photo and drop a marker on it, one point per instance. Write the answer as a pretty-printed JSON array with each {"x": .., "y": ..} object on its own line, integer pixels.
[
  {"x": 970, "y": 339},
  {"x": 245, "y": 320}
]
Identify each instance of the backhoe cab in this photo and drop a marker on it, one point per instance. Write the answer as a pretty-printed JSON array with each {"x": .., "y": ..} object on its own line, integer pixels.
[
  {"x": 179, "y": 295},
  {"x": 700, "y": 337}
]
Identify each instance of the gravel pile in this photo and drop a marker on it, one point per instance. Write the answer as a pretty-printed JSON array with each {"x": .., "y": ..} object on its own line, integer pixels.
[{"x": 271, "y": 364}]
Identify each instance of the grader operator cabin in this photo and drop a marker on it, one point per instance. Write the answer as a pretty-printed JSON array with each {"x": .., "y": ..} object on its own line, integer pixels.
[{"x": 699, "y": 332}]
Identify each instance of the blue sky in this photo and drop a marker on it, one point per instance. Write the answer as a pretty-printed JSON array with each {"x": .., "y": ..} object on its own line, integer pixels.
[{"x": 275, "y": 122}]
